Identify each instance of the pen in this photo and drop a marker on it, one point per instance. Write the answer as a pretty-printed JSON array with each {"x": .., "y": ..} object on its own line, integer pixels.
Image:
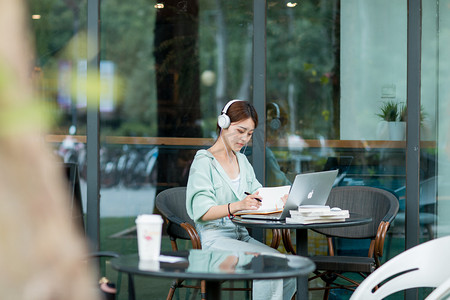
[{"x": 247, "y": 193}]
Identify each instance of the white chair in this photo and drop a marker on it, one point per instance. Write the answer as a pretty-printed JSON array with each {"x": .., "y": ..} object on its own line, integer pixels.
[
  {"x": 441, "y": 292},
  {"x": 425, "y": 265}
]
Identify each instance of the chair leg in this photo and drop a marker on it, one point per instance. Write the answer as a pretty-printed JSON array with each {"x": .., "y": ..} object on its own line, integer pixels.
[
  {"x": 203, "y": 289},
  {"x": 326, "y": 293},
  {"x": 249, "y": 286},
  {"x": 276, "y": 237},
  {"x": 172, "y": 290},
  {"x": 286, "y": 236}
]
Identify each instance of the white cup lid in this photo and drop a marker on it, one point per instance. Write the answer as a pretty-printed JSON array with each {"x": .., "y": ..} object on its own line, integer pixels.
[{"x": 149, "y": 219}]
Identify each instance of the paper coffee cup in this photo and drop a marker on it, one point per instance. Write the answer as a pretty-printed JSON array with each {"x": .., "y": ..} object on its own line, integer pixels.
[{"x": 149, "y": 228}]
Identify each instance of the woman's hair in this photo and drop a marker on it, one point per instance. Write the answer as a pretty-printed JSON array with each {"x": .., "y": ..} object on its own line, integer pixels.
[{"x": 241, "y": 110}]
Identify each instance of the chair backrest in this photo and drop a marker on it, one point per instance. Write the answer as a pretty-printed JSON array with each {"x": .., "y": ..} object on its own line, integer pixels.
[
  {"x": 172, "y": 205},
  {"x": 74, "y": 192},
  {"x": 379, "y": 204},
  {"x": 425, "y": 265},
  {"x": 427, "y": 193},
  {"x": 341, "y": 163},
  {"x": 441, "y": 292}
]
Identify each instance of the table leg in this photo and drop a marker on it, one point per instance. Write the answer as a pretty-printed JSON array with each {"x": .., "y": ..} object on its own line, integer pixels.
[
  {"x": 131, "y": 290},
  {"x": 212, "y": 290},
  {"x": 301, "y": 240},
  {"x": 302, "y": 287}
]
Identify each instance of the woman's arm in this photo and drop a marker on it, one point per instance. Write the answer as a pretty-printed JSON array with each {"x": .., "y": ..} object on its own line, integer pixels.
[
  {"x": 220, "y": 211},
  {"x": 200, "y": 195},
  {"x": 201, "y": 202}
]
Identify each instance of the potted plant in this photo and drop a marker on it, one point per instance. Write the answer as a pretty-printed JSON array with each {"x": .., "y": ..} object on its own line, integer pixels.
[{"x": 391, "y": 112}]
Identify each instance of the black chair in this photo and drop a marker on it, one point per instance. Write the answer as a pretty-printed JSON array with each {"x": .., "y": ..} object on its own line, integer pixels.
[
  {"x": 382, "y": 206},
  {"x": 73, "y": 188},
  {"x": 172, "y": 205},
  {"x": 340, "y": 163}
]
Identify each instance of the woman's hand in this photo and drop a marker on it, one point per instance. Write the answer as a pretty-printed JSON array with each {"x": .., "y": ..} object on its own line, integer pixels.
[
  {"x": 251, "y": 201},
  {"x": 284, "y": 199}
]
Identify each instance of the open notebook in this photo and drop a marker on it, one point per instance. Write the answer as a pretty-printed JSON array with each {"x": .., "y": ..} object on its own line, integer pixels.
[{"x": 307, "y": 189}]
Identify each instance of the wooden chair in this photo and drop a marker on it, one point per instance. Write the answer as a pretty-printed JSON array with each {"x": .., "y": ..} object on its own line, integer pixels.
[
  {"x": 381, "y": 206},
  {"x": 172, "y": 205}
]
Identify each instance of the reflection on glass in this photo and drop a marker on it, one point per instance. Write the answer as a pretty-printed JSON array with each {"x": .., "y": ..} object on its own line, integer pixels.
[
  {"x": 59, "y": 31},
  {"x": 172, "y": 68},
  {"x": 204, "y": 261},
  {"x": 435, "y": 101},
  {"x": 149, "y": 265},
  {"x": 218, "y": 261},
  {"x": 340, "y": 61}
]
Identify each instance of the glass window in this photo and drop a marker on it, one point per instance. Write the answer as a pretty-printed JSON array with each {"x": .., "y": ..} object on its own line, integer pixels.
[
  {"x": 59, "y": 30},
  {"x": 434, "y": 170},
  {"x": 59, "y": 33},
  {"x": 341, "y": 64},
  {"x": 170, "y": 69}
]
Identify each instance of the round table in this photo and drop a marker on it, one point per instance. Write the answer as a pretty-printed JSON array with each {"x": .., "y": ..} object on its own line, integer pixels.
[
  {"x": 213, "y": 267},
  {"x": 301, "y": 229},
  {"x": 301, "y": 234}
]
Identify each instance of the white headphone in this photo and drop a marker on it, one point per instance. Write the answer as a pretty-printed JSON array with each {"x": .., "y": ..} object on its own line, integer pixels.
[{"x": 224, "y": 120}]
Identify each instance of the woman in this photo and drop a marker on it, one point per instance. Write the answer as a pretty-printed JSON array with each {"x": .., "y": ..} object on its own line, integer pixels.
[{"x": 222, "y": 182}]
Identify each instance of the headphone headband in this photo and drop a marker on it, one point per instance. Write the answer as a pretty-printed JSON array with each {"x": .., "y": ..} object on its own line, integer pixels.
[{"x": 225, "y": 109}]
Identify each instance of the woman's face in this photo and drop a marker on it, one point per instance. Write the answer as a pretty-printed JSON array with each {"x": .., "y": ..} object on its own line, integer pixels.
[{"x": 239, "y": 133}]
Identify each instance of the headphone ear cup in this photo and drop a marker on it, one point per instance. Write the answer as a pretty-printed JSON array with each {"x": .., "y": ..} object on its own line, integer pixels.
[
  {"x": 223, "y": 121},
  {"x": 275, "y": 124}
]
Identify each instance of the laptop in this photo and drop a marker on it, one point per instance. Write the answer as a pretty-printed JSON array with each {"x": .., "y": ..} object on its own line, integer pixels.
[{"x": 307, "y": 189}]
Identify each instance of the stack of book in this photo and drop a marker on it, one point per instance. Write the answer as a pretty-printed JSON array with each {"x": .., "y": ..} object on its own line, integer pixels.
[{"x": 309, "y": 214}]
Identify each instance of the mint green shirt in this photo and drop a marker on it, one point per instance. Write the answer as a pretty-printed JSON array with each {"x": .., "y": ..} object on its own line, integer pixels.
[{"x": 209, "y": 185}]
